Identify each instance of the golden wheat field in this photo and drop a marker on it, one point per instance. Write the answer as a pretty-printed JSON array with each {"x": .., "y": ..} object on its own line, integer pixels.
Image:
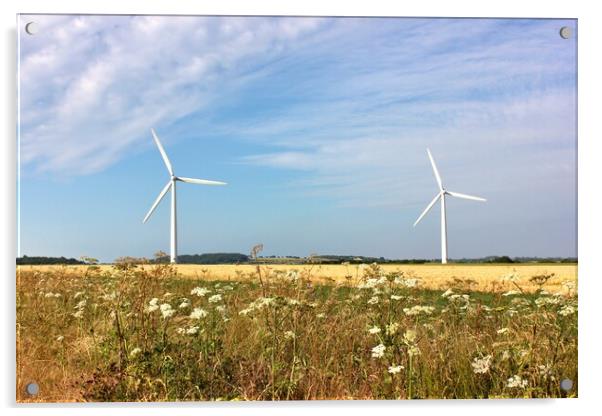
[
  {"x": 178, "y": 333},
  {"x": 485, "y": 277}
]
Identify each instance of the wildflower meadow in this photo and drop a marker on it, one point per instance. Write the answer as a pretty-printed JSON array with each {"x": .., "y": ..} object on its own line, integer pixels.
[{"x": 145, "y": 333}]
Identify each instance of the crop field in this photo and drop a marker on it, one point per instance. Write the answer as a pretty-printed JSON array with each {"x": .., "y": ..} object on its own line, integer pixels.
[
  {"x": 278, "y": 332},
  {"x": 482, "y": 277}
]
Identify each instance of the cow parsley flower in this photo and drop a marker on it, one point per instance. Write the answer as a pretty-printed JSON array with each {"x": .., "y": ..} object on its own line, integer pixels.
[
  {"x": 374, "y": 330},
  {"x": 481, "y": 365},
  {"x": 198, "y": 313},
  {"x": 503, "y": 331},
  {"x": 166, "y": 310},
  {"x": 215, "y": 298},
  {"x": 396, "y": 297},
  {"x": 392, "y": 328},
  {"x": 395, "y": 369},
  {"x": 410, "y": 336},
  {"x": 567, "y": 310},
  {"x": 378, "y": 351},
  {"x": 418, "y": 309},
  {"x": 199, "y": 291},
  {"x": 517, "y": 382},
  {"x": 192, "y": 330}
]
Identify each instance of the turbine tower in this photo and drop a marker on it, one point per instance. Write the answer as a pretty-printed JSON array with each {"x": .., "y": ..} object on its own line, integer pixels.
[
  {"x": 441, "y": 196},
  {"x": 171, "y": 185}
]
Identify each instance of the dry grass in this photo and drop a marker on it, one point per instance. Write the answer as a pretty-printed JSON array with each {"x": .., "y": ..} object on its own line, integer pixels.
[{"x": 129, "y": 333}]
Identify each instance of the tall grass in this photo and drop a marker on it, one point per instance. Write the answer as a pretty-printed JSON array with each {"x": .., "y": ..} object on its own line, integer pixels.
[{"x": 145, "y": 334}]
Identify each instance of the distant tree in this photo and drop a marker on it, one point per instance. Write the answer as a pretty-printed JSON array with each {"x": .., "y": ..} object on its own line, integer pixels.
[
  {"x": 41, "y": 260},
  {"x": 255, "y": 250},
  {"x": 501, "y": 259},
  {"x": 88, "y": 260}
]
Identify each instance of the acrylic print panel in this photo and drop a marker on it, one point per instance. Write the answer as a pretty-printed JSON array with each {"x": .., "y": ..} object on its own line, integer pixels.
[{"x": 314, "y": 249}]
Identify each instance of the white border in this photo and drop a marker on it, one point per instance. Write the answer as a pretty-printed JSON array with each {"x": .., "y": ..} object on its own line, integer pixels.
[{"x": 589, "y": 201}]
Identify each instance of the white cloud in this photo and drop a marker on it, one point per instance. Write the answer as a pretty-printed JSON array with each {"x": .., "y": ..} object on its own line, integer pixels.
[{"x": 92, "y": 86}]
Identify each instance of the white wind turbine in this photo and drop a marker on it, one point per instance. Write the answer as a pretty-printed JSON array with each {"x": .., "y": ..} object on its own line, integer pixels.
[
  {"x": 171, "y": 185},
  {"x": 441, "y": 196}
]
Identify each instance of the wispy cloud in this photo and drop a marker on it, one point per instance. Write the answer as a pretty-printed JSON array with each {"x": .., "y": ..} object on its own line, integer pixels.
[
  {"x": 352, "y": 103},
  {"x": 91, "y": 86}
]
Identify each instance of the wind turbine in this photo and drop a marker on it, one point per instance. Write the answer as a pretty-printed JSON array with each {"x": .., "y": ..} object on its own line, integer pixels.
[
  {"x": 171, "y": 185},
  {"x": 441, "y": 196}
]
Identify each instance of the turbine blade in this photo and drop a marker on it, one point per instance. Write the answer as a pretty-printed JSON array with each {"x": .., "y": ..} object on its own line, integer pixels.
[
  {"x": 200, "y": 181},
  {"x": 435, "y": 170},
  {"x": 163, "y": 154},
  {"x": 159, "y": 198},
  {"x": 464, "y": 196},
  {"x": 428, "y": 208}
]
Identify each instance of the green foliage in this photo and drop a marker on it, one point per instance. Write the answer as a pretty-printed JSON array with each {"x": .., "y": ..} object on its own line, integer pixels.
[{"x": 39, "y": 260}]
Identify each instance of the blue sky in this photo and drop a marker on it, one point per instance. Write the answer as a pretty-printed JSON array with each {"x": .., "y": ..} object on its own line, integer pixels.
[{"x": 319, "y": 126}]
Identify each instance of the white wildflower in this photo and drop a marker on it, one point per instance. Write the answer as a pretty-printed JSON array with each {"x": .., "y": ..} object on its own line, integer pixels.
[
  {"x": 293, "y": 302},
  {"x": 374, "y": 330},
  {"x": 392, "y": 328},
  {"x": 511, "y": 293},
  {"x": 481, "y": 365},
  {"x": 321, "y": 316},
  {"x": 289, "y": 335},
  {"x": 180, "y": 331},
  {"x": 567, "y": 310},
  {"x": 546, "y": 371},
  {"x": 60, "y": 338},
  {"x": 215, "y": 298},
  {"x": 395, "y": 369},
  {"x": 517, "y": 382},
  {"x": 378, "y": 351},
  {"x": 78, "y": 294},
  {"x": 199, "y": 291},
  {"x": 418, "y": 309},
  {"x": 198, "y": 313},
  {"x": 79, "y": 314},
  {"x": 410, "y": 336},
  {"x": 185, "y": 304},
  {"x": 396, "y": 297},
  {"x": 192, "y": 330},
  {"x": 166, "y": 310},
  {"x": 413, "y": 351},
  {"x": 81, "y": 304}
]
